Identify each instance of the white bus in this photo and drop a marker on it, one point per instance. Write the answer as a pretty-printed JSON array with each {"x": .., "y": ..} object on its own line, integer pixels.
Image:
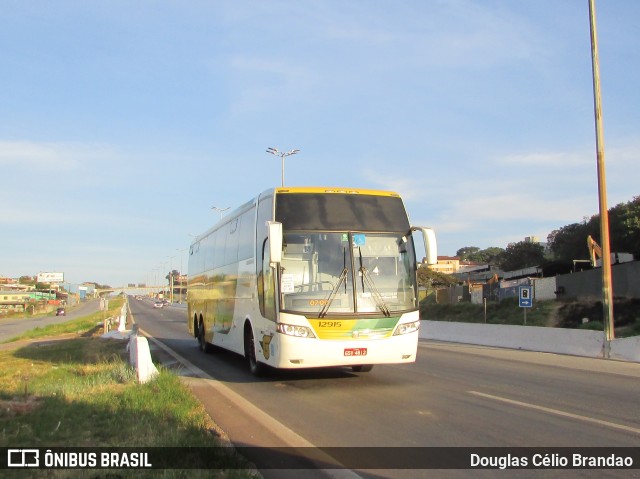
[{"x": 309, "y": 277}]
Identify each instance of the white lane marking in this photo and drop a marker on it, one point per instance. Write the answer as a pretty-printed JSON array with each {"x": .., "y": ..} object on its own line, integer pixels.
[
  {"x": 557, "y": 412},
  {"x": 290, "y": 437}
]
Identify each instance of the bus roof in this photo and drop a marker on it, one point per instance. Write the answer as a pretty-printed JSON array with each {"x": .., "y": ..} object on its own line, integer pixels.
[
  {"x": 298, "y": 190},
  {"x": 335, "y": 190}
]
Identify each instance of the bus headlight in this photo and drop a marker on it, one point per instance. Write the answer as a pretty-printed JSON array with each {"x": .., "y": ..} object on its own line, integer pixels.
[
  {"x": 297, "y": 331},
  {"x": 407, "y": 328}
]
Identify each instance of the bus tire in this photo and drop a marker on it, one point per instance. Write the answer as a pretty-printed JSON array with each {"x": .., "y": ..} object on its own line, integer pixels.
[
  {"x": 205, "y": 347},
  {"x": 255, "y": 366},
  {"x": 362, "y": 368}
]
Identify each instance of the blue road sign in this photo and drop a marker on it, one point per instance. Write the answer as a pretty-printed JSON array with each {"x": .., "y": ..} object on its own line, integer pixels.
[{"x": 526, "y": 297}]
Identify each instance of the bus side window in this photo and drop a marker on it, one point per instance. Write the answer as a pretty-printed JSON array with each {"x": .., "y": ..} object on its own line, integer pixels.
[{"x": 266, "y": 285}]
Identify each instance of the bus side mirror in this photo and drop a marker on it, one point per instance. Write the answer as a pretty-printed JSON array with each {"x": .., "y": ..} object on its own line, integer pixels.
[
  {"x": 275, "y": 241},
  {"x": 430, "y": 243}
]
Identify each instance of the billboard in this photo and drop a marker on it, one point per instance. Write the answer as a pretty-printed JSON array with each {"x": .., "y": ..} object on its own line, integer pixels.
[{"x": 50, "y": 277}]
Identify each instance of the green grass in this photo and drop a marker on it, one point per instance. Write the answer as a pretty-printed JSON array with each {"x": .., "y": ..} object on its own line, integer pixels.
[
  {"x": 79, "y": 391},
  {"x": 504, "y": 312},
  {"x": 84, "y": 325}
]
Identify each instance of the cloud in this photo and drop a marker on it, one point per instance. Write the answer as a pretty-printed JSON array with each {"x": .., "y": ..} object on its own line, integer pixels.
[
  {"x": 442, "y": 34},
  {"x": 45, "y": 157},
  {"x": 51, "y": 184},
  {"x": 271, "y": 66},
  {"x": 409, "y": 188},
  {"x": 546, "y": 159},
  {"x": 36, "y": 156},
  {"x": 623, "y": 153},
  {"x": 529, "y": 193},
  {"x": 260, "y": 83}
]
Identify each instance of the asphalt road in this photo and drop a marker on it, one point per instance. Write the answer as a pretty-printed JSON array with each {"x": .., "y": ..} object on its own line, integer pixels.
[
  {"x": 11, "y": 327},
  {"x": 454, "y": 395}
]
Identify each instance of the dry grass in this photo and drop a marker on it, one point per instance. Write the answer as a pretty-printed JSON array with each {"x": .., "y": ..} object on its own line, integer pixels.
[{"x": 80, "y": 392}]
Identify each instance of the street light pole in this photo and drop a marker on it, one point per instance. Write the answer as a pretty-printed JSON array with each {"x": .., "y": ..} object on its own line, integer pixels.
[
  {"x": 181, "y": 273},
  {"x": 163, "y": 268},
  {"x": 607, "y": 290},
  {"x": 171, "y": 277},
  {"x": 282, "y": 155},
  {"x": 219, "y": 210}
]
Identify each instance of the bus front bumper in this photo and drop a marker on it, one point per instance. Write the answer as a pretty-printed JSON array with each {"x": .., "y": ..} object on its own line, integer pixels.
[{"x": 290, "y": 352}]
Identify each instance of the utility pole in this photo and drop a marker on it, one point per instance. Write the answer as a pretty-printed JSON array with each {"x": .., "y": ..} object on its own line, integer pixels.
[{"x": 607, "y": 288}]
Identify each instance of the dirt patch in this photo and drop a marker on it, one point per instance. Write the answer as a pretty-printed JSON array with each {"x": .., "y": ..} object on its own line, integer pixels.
[
  {"x": 570, "y": 315},
  {"x": 20, "y": 406}
]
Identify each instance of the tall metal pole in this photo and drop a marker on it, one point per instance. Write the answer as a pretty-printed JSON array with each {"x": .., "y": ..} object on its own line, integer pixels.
[
  {"x": 171, "y": 278},
  {"x": 281, "y": 154},
  {"x": 607, "y": 289},
  {"x": 220, "y": 210},
  {"x": 181, "y": 273}
]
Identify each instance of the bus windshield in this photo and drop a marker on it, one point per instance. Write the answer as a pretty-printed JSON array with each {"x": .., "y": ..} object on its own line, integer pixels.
[{"x": 347, "y": 272}]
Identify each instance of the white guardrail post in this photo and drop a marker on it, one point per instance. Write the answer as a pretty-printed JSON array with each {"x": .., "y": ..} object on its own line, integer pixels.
[
  {"x": 140, "y": 357},
  {"x": 123, "y": 318},
  {"x": 138, "y": 346},
  {"x": 139, "y": 352}
]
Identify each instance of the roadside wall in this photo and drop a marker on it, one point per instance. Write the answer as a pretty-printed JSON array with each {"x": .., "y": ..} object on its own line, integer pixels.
[
  {"x": 531, "y": 338},
  {"x": 588, "y": 284},
  {"x": 544, "y": 288}
]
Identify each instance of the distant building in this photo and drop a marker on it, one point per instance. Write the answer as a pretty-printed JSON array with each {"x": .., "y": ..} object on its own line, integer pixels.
[
  {"x": 84, "y": 290},
  {"x": 446, "y": 264},
  {"x": 536, "y": 240},
  {"x": 13, "y": 301},
  {"x": 453, "y": 265}
]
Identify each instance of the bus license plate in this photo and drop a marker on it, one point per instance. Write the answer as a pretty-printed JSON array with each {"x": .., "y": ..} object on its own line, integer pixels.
[{"x": 355, "y": 351}]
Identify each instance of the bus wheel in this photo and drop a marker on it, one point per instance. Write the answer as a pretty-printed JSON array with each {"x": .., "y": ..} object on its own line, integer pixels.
[
  {"x": 256, "y": 367},
  {"x": 202, "y": 342},
  {"x": 362, "y": 368}
]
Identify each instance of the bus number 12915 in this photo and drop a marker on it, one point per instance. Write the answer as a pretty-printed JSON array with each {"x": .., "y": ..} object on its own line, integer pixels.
[{"x": 330, "y": 324}]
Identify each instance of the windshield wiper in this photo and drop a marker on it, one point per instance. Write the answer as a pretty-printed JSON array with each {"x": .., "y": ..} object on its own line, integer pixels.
[
  {"x": 334, "y": 291},
  {"x": 377, "y": 297},
  {"x": 329, "y": 300}
]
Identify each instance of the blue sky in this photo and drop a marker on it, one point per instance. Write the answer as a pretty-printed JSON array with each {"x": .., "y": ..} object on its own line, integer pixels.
[{"x": 122, "y": 123}]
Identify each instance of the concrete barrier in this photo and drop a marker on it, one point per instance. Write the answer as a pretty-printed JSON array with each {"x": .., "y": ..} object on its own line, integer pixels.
[
  {"x": 140, "y": 357},
  {"x": 576, "y": 342},
  {"x": 626, "y": 348},
  {"x": 106, "y": 325},
  {"x": 138, "y": 346},
  {"x": 122, "y": 326}
]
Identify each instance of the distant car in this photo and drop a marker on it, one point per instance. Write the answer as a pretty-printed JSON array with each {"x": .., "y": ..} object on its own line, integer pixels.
[
  {"x": 61, "y": 312},
  {"x": 158, "y": 304},
  {"x": 165, "y": 302}
]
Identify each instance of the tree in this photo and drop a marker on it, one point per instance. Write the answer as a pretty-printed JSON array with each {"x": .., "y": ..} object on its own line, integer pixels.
[
  {"x": 430, "y": 278},
  {"x": 570, "y": 242},
  {"x": 466, "y": 252},
  {"x": 475, "y": 254},
  {"x": 175, "y": 274},
  {"x": 521, "y": 255},
  {"x": 624, "y": 226},
  {"x": 488, "y": 255},
  {"x": 98, "y": 285}
]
